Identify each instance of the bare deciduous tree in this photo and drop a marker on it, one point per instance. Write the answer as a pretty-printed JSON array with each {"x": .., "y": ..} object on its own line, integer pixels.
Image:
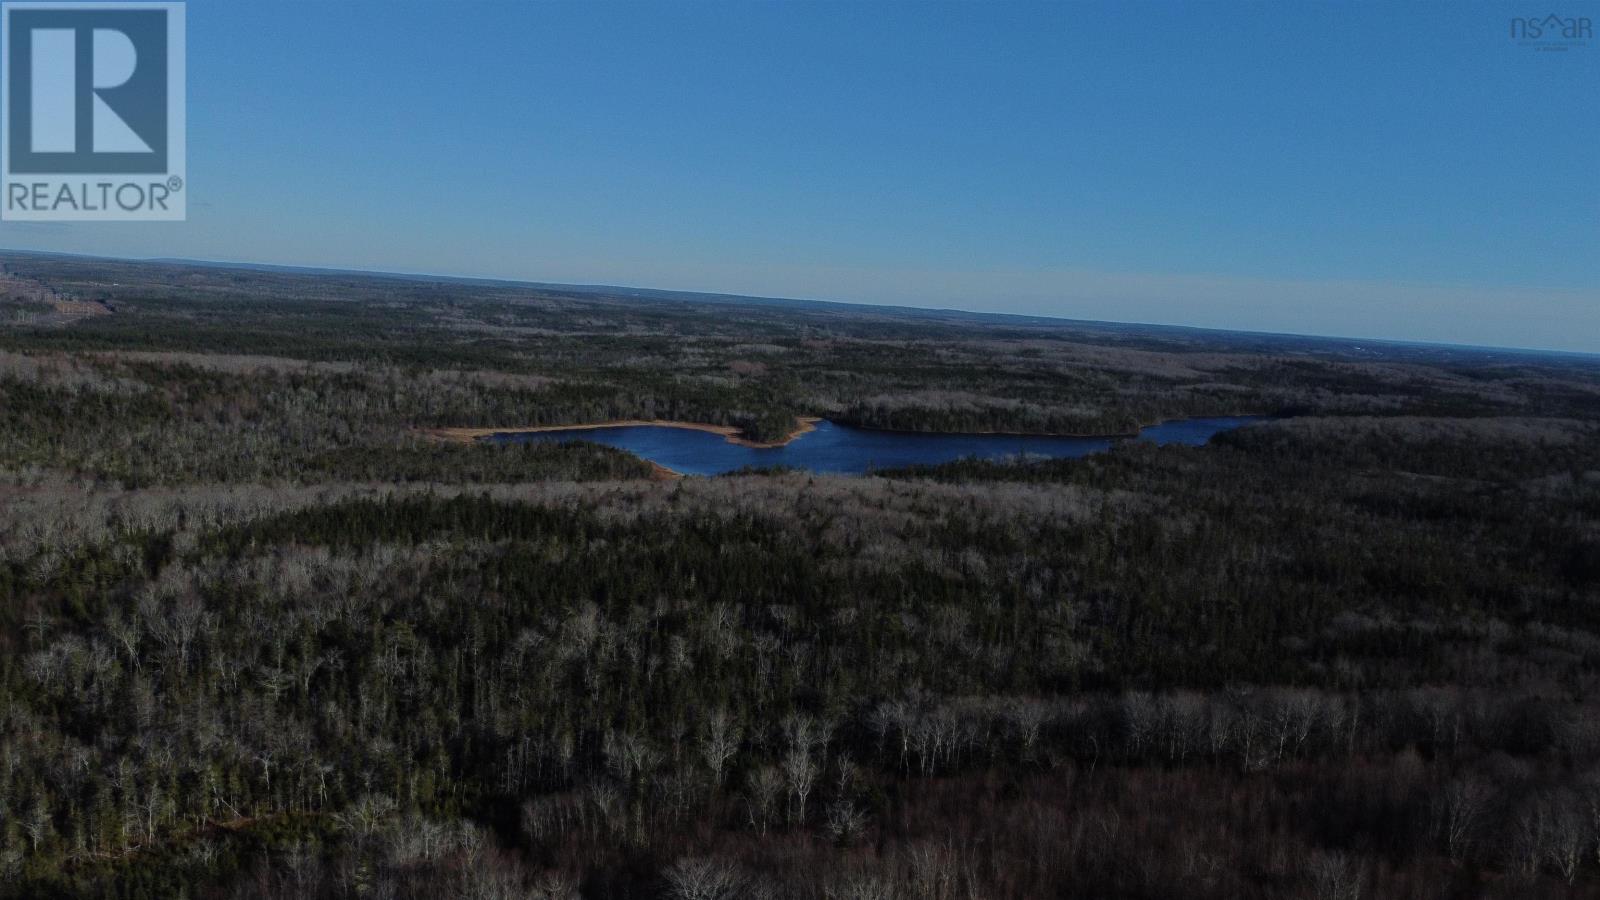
[
  {"x": 720, "y": 742},
  {"x": 761, "y": 796},
  {"x": 1461, "y": 806},
  {"x": 703, "y": 878}
]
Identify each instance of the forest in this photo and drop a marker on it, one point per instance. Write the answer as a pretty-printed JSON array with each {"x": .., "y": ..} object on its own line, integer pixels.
[{"x": 263, "y": 635}]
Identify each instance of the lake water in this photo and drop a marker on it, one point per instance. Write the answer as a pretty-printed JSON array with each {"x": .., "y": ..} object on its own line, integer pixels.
[{"x": 840, "y": 449}]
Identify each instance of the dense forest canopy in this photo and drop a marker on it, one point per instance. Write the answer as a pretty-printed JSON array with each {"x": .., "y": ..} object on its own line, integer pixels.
[{"x": 262, "y": 635}]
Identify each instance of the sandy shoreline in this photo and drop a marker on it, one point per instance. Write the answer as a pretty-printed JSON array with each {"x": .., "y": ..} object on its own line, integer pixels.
[{"x": 730, "y": 433}]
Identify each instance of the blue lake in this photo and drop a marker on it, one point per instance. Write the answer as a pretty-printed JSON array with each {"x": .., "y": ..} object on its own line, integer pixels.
[{"x": 840, "y": 449}]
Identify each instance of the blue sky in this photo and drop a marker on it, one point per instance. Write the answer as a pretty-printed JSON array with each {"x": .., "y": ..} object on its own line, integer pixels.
[{"x": 1403, "y": 171}]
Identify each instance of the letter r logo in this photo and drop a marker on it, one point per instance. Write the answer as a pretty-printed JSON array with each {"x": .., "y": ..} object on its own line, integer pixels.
[
  {"x": 87, "y": 88},
  {"x": 55, "y": 93},
  {"x": 92, "y": 113}
]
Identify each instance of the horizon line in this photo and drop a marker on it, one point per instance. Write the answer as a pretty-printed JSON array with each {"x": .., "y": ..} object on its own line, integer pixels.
[{"x": 599, "y": 286}]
